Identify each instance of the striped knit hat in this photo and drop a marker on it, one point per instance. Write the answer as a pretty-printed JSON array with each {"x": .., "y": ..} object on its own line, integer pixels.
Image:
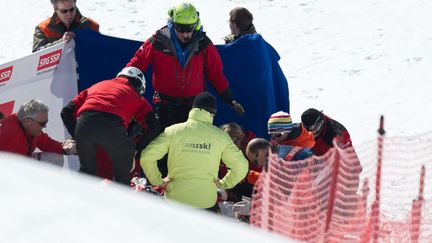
[{"x": 279, "y": 122}]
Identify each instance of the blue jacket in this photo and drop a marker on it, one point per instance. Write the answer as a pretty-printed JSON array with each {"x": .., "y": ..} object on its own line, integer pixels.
[{"x": 302, "y": 154}]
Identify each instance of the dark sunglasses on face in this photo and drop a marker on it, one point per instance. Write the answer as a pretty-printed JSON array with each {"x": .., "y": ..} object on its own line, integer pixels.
[
  {"x": 64, "y": 11},
  {"x": 42, "y": 124},
  {"x": 184, "y": 28},
  {"x": 316, "y": 127}
]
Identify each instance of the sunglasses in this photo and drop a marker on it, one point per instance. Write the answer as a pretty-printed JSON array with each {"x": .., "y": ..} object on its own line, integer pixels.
[
  {"x": 64, "y": 11},
  {"x": 42, "y": 124},
  {"x": 184, "y": 28},
  {"x": 316, "y": 127}
]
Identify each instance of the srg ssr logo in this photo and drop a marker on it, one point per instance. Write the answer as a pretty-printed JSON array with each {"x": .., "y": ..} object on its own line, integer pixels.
[
  {"x": 49, "y": 60},
  {"x": 5, "y": 74}
]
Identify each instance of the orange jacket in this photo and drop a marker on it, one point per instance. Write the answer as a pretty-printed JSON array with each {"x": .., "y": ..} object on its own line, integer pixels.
[
  {"x": 300, "y": 137},
  {"x": 50, "y": 31},
  {"x": 252, "y": 177}
]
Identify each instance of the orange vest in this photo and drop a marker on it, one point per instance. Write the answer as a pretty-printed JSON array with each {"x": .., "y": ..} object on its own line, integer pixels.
[
  {"x": 53, "y": 28},
  {"x": 304, "y": 140}
]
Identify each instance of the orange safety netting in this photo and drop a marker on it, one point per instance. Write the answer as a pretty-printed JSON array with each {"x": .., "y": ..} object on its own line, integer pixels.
[{"x": 379, "y": 192}]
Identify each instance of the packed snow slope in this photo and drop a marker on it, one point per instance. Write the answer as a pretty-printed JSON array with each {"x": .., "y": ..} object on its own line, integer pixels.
[
  {"x": 43, "y": 205},
  {"x": 353, "y": 59}
]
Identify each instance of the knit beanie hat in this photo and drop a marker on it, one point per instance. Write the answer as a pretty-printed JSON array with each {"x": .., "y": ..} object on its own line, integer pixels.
[
  {"x": 206, "y": 101},
  {"x": 310, "y": 117},
  {"x": 279, "y": 122}
]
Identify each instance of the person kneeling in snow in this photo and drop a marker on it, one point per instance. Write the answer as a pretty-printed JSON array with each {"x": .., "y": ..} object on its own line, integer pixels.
[
  {"x": 325, "y": 129},
  {"x": 195, "y": 149},
  {"x": 21, "y": 133},
  {"x": 99, "y": 116}
]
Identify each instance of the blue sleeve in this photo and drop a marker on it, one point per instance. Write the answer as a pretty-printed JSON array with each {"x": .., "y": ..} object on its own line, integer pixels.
[{"x": 303, "y": 154}]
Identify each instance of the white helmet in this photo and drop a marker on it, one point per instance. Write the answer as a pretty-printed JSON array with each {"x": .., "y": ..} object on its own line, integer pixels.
[{"x": 134, "y": 73}]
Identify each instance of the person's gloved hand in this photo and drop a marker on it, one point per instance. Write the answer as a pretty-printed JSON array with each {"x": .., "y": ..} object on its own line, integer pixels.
[
  {"x": 69, "y": 147},
  {"x": 68, "y": 36},
  {"x": 238, "y": 107},
  {"x": 341, "y": 142}
]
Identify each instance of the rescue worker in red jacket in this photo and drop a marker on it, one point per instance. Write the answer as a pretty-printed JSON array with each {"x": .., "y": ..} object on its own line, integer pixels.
[
  {"x": 325, "y": 130},
  {"x": 21, "y": 133},
  {"x": 61, "y": 25},
  {"x": 182, "y": 57},
  {"x": 103, "y": 114}
]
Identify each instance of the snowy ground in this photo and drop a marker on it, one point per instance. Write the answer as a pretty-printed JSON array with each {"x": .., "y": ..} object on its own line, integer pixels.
[
  {"x": 42, "y": 205},
  {"x": 353, "y": 59}
]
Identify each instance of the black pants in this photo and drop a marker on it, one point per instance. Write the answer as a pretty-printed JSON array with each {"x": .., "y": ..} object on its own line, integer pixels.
[
  {"x": 170, "y": 114},
  {"x": 241, "y": 189},
  {"x": 106, "y": 130}
]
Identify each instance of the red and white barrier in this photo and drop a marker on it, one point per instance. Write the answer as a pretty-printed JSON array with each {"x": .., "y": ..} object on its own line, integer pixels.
[{"x": 49, "y": 75}]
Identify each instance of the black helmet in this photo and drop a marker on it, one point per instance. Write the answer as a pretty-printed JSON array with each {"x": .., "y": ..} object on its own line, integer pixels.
[{"x": 310, "y": 117}]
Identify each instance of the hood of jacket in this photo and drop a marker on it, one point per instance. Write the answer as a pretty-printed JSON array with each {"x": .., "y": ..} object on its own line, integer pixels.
[{"x": 201, "y": 115}]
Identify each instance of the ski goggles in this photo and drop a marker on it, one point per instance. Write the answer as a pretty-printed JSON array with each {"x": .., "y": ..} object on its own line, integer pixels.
[
  {"x": 316, "y": 127},
  {"x": 184, "y": 28}
]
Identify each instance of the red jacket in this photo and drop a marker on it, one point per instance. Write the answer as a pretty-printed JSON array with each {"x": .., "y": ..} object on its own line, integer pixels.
[
  {"x": 117, "y": 97},
  {"x": 14, "y": 139},
  {"x": 332, "y": 129},
  {"x": 248, "y": 136},
  {"x": 169, "y": 78}
]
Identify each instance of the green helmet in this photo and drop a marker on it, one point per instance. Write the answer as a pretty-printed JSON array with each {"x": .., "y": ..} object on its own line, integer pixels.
[{"x": 184, "y": 13}]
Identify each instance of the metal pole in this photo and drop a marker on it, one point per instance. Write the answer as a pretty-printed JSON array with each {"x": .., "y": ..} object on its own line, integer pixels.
[{"x": 376, "y": 209}]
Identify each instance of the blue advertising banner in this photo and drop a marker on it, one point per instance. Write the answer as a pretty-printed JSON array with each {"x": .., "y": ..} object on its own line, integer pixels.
[{"x": 250, "y": 65}]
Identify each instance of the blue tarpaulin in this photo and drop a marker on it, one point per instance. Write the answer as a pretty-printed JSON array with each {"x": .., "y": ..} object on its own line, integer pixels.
[
  {"x": 257, "y": 82},
  {"x": 250, "y": 65}
]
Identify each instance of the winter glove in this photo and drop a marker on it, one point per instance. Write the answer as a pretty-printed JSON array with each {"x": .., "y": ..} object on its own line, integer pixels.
[
  {"x": 342, "y": 140},
  {"x": 238, "y": 108},
  {"x": 228, "y": 98}
]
